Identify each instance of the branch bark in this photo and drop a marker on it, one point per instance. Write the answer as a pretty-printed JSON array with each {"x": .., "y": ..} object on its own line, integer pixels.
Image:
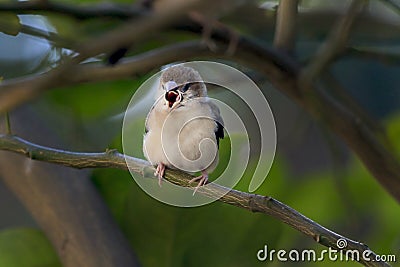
[
  {"x": 285, "y": 29},
  {"x": 251, "y": 202},
  {"x": 79, "y": 12}
]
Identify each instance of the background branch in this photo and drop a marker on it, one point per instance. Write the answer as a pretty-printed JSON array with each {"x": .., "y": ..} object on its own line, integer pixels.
[
  {"x": 251, "y": 202},
  {"x": 110, "y": 41},
  {"x": 79, "y": 12},
  {"x": 285, "y": 28},
  {"x": 371, "y": 54},
  {"x": 51, "y": 37},
  {"x": 392, "y": 4},
  {"x": 334, "y": 45}
]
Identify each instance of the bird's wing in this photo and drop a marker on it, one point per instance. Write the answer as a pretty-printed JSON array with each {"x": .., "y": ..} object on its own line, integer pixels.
[
  {"x": 219, "y": 129},
  {"x": 146, "y": 124},
  {"x": 151, "y": 116}
]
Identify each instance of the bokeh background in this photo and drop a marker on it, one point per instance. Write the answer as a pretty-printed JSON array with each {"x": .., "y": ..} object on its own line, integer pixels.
[{"x": 313, "y": 171}]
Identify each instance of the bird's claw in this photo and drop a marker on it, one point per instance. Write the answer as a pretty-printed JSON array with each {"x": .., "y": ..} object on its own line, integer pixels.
[
  {"x": 203, "y": 179},
  {"x": 160, "y": 172}
]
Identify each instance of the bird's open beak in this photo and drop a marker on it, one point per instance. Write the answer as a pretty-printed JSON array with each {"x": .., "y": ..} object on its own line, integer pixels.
[{"x": 173, "y": 96}]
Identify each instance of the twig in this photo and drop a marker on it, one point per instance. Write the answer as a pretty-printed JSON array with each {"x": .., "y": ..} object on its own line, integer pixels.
[
  {"x": 285, "y": 29},
  {"x": 333, "y": 46},
  {"x": 392, "y": 4},
  {"x": 79, "y": 12},
  {"x": 50, "y": 36},
  {"x": 366, "y": 53},
  {"x": 251, "y": 202},
  {"x": 8, "y": 124}
]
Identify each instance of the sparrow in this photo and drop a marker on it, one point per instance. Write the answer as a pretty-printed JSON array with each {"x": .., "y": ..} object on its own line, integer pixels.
[{"x": 183, "y": 127}]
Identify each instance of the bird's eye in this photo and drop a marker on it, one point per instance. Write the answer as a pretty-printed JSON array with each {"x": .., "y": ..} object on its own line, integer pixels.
[{"x": 186, "y": 87}]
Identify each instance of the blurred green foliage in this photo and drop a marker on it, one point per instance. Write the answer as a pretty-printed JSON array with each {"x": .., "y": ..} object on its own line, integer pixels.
[{"x": 24, "y": 247}]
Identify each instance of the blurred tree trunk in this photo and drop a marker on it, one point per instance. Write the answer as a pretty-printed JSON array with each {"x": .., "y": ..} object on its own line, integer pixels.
[{"x": 64, "y": 202}]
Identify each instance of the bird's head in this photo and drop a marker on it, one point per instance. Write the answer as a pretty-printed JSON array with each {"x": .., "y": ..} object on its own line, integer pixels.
[{"x": 181, "y": 84}]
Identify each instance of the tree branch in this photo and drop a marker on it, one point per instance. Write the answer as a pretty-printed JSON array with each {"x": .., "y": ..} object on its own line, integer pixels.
[
  {"x": 368, "y": 53},
  {"x": 79, "y": 12},
  {"x": 110, "y": 41},
  {"x": 333, "y": 46},
  {"x": 285, "y": 29},
  {"x": 251, "y": 202},
  {"x": 50, "y": 36},
  {"x": 282, "y": 72},
  {"x": 392, "y": 4}
]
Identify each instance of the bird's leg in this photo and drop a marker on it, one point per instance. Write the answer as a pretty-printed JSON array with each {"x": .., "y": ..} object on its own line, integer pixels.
[
  {"x": 160, "y": 172},
  {"x": 203, "y": 179}
]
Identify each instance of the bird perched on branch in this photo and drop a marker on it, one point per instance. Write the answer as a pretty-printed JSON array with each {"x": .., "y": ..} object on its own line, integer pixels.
[{"x": 183, "y": 127}]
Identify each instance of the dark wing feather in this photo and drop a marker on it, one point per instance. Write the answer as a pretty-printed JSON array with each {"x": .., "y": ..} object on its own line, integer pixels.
[
  {"x": 146, "y": 127},
  {"x": 219, "y": 132},
  {"x": 219, "y": 129}
]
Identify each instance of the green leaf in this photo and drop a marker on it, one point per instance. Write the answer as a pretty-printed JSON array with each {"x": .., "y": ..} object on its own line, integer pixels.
[{"x": 25, "y": 247}]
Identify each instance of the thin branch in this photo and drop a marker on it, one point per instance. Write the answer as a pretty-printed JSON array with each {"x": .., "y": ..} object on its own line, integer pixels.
[
  {"x": 110, "y": 41},
  {"x": 49, "y": 36},
  {"x": 393, "y": 5},
  {"x": 129, "y": 67},
  {"x": 285, "y": 29},
  {"x": 121, "y": 11},
  {"x": 251, "y": 202},
  {"x": 8, "y": 124},
  {"x": 367, "y": 53},
  {"x": 373, "y": 26},
  {"x": 334, "y": 45}
]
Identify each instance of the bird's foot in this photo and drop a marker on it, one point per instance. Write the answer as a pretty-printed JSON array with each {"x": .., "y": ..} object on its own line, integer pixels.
[
  {"x": 160, "y": 172},
  {"x": 203, "y": 179}
]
